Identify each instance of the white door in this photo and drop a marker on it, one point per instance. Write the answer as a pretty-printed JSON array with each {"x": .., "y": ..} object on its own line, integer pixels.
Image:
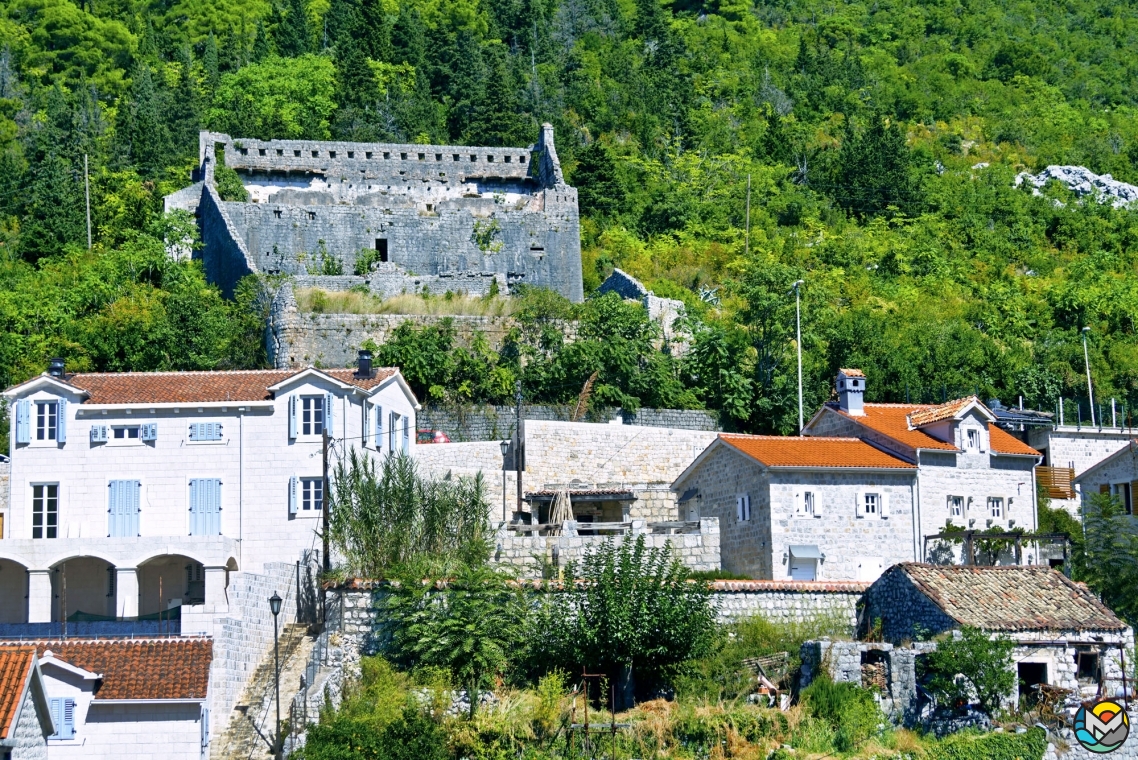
[
  {"x": 870, "y": 569},
  {"x": 803, "y": 569}
]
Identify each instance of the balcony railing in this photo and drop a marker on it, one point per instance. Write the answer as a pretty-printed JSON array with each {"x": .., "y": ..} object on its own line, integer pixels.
[{"x": 1057, "y": 481}]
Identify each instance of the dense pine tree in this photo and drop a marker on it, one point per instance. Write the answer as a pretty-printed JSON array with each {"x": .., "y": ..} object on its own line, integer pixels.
[{"x": 292, "y": 31}]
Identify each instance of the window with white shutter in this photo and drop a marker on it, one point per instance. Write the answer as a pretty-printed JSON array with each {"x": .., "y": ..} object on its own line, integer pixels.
[
  {"x": 378, "y": 428},
  {"x": 202, "y": 432},
  {"x": 312, "y": 410},
  {"x": 406, "y": 435},
  {"x": 743, "y": 507},
  {"x": 98, "y": 434},
  {"x": 205, "y": 507},
  {"x": 63, "y": 716},
  {"x": 23, "y": 421},
  {"x": 329, "y": 407},
  {"x": 123, "y": 508},
  {"x": 392, "y": 427},
  {"x": 293, "y": 495},
  {"x": 47, "y": 416}
]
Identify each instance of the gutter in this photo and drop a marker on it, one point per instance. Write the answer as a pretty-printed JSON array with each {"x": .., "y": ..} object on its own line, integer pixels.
[
  {"x": 190, "y": 701},
  {"x": 267, "y": 403}
]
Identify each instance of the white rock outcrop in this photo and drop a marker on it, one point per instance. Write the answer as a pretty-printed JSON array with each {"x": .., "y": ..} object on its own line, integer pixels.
[{"x": 1083, "y": 182}]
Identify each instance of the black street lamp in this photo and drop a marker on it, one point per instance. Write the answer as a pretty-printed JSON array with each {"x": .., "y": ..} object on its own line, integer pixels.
[
  {"x": 275, "y": 605},
  {"x": 505, "y": 452}
]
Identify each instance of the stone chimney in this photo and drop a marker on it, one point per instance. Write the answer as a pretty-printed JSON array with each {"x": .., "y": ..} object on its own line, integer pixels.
[{"x": 851, "y": 391}]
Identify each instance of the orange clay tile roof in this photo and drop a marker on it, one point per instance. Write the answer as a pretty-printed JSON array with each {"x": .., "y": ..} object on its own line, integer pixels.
[
  {"x": 813, "y": 451},
  {"x": 892, "y": 420},
  {"x": 15, "y": 663},
  {"x": 200, "y": 387},
  {"x": 1012, "y": 598},
  {"x": 140, "y": 668},
  {"x": 946, "y": 411},
  {"x": 852, "y": 372}
]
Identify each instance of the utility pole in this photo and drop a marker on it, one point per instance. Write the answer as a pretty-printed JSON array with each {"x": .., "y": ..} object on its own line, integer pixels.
[
  {"x": 747, "y": 235},
  {"x": 798, "y": 331},
  {"x": 520, "y": 449},
  {"x": 87, "y": 192},
  {"x": 1090, "y": 388},
  {"x": 324, "y": 504}
]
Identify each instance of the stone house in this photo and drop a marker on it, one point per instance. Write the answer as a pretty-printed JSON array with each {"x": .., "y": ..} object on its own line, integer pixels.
[
  {"x": 134, "y": 698},
  {"x": 1117, "y": 475},
  {"x": 1069, "y": 451},
  {"x": 131, "y": 494},
  {"x": 969, "y": 472},
  {"x": 803, "y": 508},
  {"x": 25, "y": 712},
  {"x": 1064, "y": 636}
]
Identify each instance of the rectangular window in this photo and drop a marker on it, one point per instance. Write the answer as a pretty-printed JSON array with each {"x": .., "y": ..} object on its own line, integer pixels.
[
  {"x": 205, "y": 431},
  {"x": 808, "y": 504},
  {"x": 123, "y": 504},
  {"x": 392, "y": 427},
  {"x": 995, "y": 506},
  {"x": 63, "y": 716},
  {"x": 205, "y": 507},
  {"x": 46, "y": 420},
  {"x": 312, "y": 415},
  {"x": 956, "y": 506},
  {"x": 126, "y": 433},
  {"x": 312, "y": 494},
  {"x": 973, "y": 439},
  {"x": 1123, "y": 492},
  {"x": 743, "y": 507},
  {"x": 45, "y": 510},
  {"x": 872, "y": 505}
]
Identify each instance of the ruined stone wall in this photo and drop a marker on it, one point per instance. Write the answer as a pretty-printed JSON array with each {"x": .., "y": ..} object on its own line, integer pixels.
[
  {"x": 492, "y": 423},
  {"x": 432, "y": 210}
]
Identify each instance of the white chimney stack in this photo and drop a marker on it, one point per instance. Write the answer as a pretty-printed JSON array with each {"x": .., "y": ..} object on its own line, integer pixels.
[{"x": 851, "y": 391}]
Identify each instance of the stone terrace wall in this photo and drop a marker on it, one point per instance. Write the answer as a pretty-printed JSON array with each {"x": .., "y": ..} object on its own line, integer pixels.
[
  {"x": 5, "y": 487},
  {"x": 493, "y": 423},
  {"x": 528, "y": 552}
]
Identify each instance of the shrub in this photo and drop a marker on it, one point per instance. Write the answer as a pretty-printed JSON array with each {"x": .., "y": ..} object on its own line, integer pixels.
[
  {"x": 413, "y": 736},
  {"x": 628, "y": 611},
  {"x": 849, "y": 709},
  {"x": 971, "y": 746},
  {"x": 975, "y": 665},
  {"x": 366, "y": 260}
]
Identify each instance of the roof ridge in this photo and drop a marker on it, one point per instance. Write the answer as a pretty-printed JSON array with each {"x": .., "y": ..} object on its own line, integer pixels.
[{"x": 753, "y": 437}]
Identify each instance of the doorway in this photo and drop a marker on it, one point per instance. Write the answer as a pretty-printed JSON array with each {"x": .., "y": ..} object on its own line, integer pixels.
[
  {"x": 802, "y": 569},
  {"x": 1031, "y": 675}
]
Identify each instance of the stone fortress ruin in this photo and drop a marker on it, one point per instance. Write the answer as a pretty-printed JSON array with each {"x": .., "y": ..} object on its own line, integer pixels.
[{"x": 389, "y": 218}]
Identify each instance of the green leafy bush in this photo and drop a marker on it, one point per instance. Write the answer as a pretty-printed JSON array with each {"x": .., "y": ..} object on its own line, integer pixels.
[
  {"x": 971, "y": 746},
  {"x": 850, "y": 710},
  {"x": 413, "y": 736},
  {"x": 974, "y": 665}
]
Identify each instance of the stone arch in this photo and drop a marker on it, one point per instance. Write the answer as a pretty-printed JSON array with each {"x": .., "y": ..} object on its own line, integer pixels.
[
  {"x": 82, "y": 585},
  {"x": 168, "y": 581},
  {"x": 13, "y": 591}
]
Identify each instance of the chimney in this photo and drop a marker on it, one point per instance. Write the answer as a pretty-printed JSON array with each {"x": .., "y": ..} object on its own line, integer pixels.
[
  {"x": 364, "y": 368},
  {"x": 851, "y": 391},
  {"x": 55, "y": 367}
]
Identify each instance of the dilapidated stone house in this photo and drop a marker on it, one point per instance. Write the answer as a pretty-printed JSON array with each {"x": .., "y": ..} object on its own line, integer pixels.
[
  {"x": 1065, "y": 637},
  {"x": 803, "y": 508}
]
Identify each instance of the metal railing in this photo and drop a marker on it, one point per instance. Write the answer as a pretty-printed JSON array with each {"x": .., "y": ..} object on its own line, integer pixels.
[{"x": 607, "y": 528}]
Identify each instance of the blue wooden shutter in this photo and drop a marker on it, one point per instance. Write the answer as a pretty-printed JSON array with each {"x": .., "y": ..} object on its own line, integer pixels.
[
  {"x": 292, "y": 485},
  {"x": 195, "y": 432},
  {"x": 57, "y": 716},
  {"x": 195, "y": 507},
  {"x": 114, "y": 509},
  {"x": 61, "y": 421},
  {"x": 328, "y": 398},
  {"x": 98, "y": 434},
  {"x": 212, "y": 507},
  {"x": 406, "y": 434},
  {"x": 391, "y": 424},
  {"x": 365, "y": 429},
  {"x": 205, "y": 733},
  {"x": 378, "y": 428},
  {"x": 149, "y": 431},
  {"x": 292, "y": 417},
  {"x": 23, "y": 421},
  {"x": 68, "y": 719}
]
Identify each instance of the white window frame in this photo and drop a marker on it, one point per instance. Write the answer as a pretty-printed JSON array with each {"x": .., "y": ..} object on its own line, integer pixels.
[
  {"x": 46, "y": 422},
  {"x": 955, "y": 506},
  {"x": 973, "y": 437},
  {"x": 113, "y": 438},
  {"x": 44, "y": 526},
  {"x": 308, "y": 500},
  {"x": 306, "y": 428},
  {"x": 996, "y": 507},
  {"x": 874, "y": 498}
]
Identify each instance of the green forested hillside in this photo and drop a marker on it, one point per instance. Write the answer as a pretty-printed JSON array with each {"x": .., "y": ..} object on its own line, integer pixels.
[{"x": 879, "y": 140}]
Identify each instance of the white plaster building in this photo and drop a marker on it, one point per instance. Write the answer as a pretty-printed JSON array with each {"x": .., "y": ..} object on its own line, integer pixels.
[
  {"x": 134, "y": 493},
  {"x": 137, "y": 698},
  {"x": 968, "y": 471},
  {"x": 804, "y": 508}
]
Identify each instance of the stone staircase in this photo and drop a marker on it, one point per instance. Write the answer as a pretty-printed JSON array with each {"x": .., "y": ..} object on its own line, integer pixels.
[{"x": 253, "y": 721}]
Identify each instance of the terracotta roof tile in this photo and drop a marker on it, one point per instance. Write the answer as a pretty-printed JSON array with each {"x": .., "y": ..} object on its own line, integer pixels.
[
  {"x": 926, "y": 415},
  {"x": 140, "y": 668},
  {"x": 813, "y": 451},
  {"x": 1014, "y": 598},
  {"x": 892, "y": 420},
  {"x": 200, "y": 387},
  {"x": 852, "y": 372},
  {"x": 15, "y": 662}
]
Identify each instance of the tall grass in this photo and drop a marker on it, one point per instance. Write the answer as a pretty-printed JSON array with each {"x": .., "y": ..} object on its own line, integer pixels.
[{"x": 319, "y": 301}]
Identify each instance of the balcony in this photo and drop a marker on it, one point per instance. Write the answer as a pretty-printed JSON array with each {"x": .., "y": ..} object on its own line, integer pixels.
[{"x": 1057, "y": 481}]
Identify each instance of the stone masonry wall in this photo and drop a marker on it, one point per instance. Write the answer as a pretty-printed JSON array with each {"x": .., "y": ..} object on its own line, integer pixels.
[
  {"x": 527, "y": 553},
  {"x": 27, "y": 736},
  {"x": 903, "y": 610},
  {"x": 493, "y": 423}
]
